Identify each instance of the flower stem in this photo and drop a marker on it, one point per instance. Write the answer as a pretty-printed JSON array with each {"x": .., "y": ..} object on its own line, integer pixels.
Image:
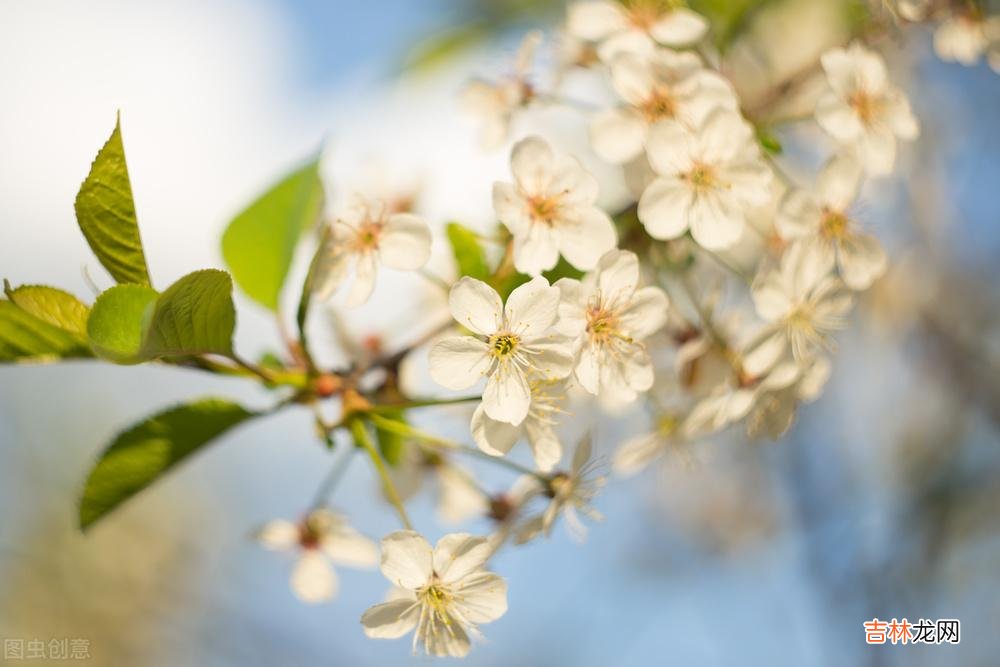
[
  {"x": 420, "y": 403},
  {"x": 364, "y": 441},
  {"x": 333, "y": 478}
]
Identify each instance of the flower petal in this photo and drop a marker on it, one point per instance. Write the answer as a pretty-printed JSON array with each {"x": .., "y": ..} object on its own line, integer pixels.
[
  {"x": 532, "y": 308},
  {"x": 595, "y": 20},
  {"x": 585, "y": 241},
  {"x": 313, "y": 580},
  {"x": 646, "y": 313},
  {"x": 391, "y": 620},
  {"x": 716, "y": 221},
  {"x": 476, "y": 306},
  {"x": 493, "y": 437},
  {"x": 618, "y": 135},
  {"x": 364, "y": 279},
  {"x": 531, "y": 163},
  {"x": 458, "y": 555},
  {"x": 636, "y": 453},
  {"x": 405, "y": 242},
  {"x": 510, "y": 208},
  {"x": 664, "y": 208},
  {"x": 347, "y": 546},
  {"x": 507, "y": 396},
  {"x": 481, "y": 597},
  {"x": 545, "y": 445},
  {"x": 459, "y": 362},
  {"x": 537, "y": 250},
  {"x": 861, "y": 260},
  {"x": 679, "y": 27},
  {"x": 406, "y": 559},
  {"x": 279, "y": 535},
  {"x": 839, "y": 182}
]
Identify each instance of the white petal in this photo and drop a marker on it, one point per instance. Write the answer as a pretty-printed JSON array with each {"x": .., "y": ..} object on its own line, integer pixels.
[
  {"x": 493, "y": 437},
  {"x": 836, "y": 117},
  {"x": 582, "y": 454},
  {"x": 347, "y": 546},
  {"x": 406, "y": 559},
  {"x": 647, "y": 312},
  {"x": 405, "y": 242},
  {"x": 618, "y": 275},
  {"x": 635, "y": 453},
  {"x": 458, "y": 555},
  {"x": 798, "y": 216},
  {"x": 460, "y": 362},
  {"x": 532, "y": 307},
  {"x": 481, "y": 597},
  {"x": 861, "y": 260},
  {"x": 770, "y": 297},
  {"x": 632, "y": 78},
  {"x": 510, "y": 208},
  {"x": 452, "y": 642},
  {"x": 458, "y": 498},
  {"x": 584, "y": 242},
  {"x": 537, "y": 250},
  {"x": 364, "y": 279},
  {"x": 716, "y": 221},
  {"x": 279, "y": 535},
  {"x": 618, "y": 135},
  {"x": 545, "y": 445},
  {"x": 330, "y": 272},
  {"x": 765, "y": 355},
  {"x": 839, "y": 182},
  {"x": 313, "y": 580},
  {"x": 631, "y": 40},
  {"x": 507, "y": 395},
  {"x": 841, "y": 71},
  {"x": 664, "y": 208},
  {"x": 877, "y": 149},
  {"x": 670, "y": 148},
  {"x": 900, "y": 119},
  {"x": 391, "y": 620},
  {"x": 679, "y": 27},
  {"x": 551, "y": 357},
  {"x": 595, "y": 20},
  {"x": 476, "y": 306},
  {"x": 531, "y": 163}
]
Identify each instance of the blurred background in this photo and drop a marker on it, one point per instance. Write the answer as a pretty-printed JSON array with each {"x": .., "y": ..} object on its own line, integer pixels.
[{"x": 881, "y": 502}]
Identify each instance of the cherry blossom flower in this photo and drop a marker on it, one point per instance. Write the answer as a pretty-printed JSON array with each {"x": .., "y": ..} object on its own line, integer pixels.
[
  {"x": 965, "y": 37},
  {"x": 635, "y": 26},
  {"x": 508, "y": 344},
  {"x": 508, "y": 509},
  {"x": 367, "y": 234},
  {"x": 457, "y": 497},
  {"x": 497, "y": 438},
  {"x": 609, "y": 315},
  {"x": 549, "y": 209},
  {"x": 862, "y": 110},
  {"x": 446, "y": 592},
  {"x": 774, "y": 408},
  {"x": 570, "y": 494},
  {"x": 495, "y": 103},
  {"x": 639, "y": 451},
  {"x": 707, "y": 177},
  {"x": 321, "y": 537},
  {"x": 802, "y": 301},
  {"x": 665, "y": 85},
  {"x": 825, "y": 220}
]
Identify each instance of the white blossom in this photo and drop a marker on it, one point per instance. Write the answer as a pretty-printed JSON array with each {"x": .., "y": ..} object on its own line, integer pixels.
[
  {"x": 639, "y": 451},
  {"x": 570, "y": 494},
  {"x": 497, "y": 438},
  {"x": 321, "y": 537},
  {"x": 664, "y": 85},
  {"x": 775, "y": 405},
  {"x": 495, "y": 102},
  {"x": 446, "y": 592},
  {"x": 707, "y": 176},
  {"x": 965, "y": 37},
  {"x": 508, "y": 344},
  {"x": 803, "y": 303},
  {"x": 457, "y": 497},
  {"x": 366, "y": 234},
  {"x": 550, "y": 209},
  {"x": 862, "y": 110},
  {"x": 609, "y": 316},
  {"x": 825, "y": 221},
  {"x": 635, "y": 26}
]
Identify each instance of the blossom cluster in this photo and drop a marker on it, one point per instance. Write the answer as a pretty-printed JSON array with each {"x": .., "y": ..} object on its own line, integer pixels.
[{"x": 711, "y": 300}]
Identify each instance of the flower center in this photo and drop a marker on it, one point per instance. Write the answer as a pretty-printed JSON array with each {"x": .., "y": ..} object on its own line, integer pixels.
[
  {"x": 436, "y": 596},
  {"x": 503, "y": 345},
  {"x": 659, "y": 105},
  {"x": 368, "y": 234},
  {"x": 560, "y": 485},
  {"x": 865, "y": 105},
  {"x": 602, "y": 324},
  {"x": 702, "y": 177},
  {"x": 667, "y": 424},
  {"x": 543, "y": 209},
  {"x": 835, "y": 224}
]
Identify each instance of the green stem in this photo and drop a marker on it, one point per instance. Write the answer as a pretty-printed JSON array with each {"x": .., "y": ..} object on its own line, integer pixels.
[
  {"x": 305, "y": 300},
  {"x": 420, "y": 403},
  {"x": 364, "y": 441},
  {"x": 333, "y": 478}
]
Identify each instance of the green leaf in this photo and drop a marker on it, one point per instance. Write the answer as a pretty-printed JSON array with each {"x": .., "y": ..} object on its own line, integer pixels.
[
  {"x": 391, "y": 443},
  {"x": 142, "y": 454},
  {"x": 115, "y": 326},
  {"x": 259, "y": 243},
  {"x": 24, "y": 337},
  {"x": 470, "y": 258},
  {"x": 195, "y": 315},
  {"x": 58, "y": 308},
  {"x": 768, "y": 141},
  {"x": 106, "y": 214},
  {"x": 445, "y": 46},
  {"x": 562, "y": 269},
  {"x": 130, "y": 324}
]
